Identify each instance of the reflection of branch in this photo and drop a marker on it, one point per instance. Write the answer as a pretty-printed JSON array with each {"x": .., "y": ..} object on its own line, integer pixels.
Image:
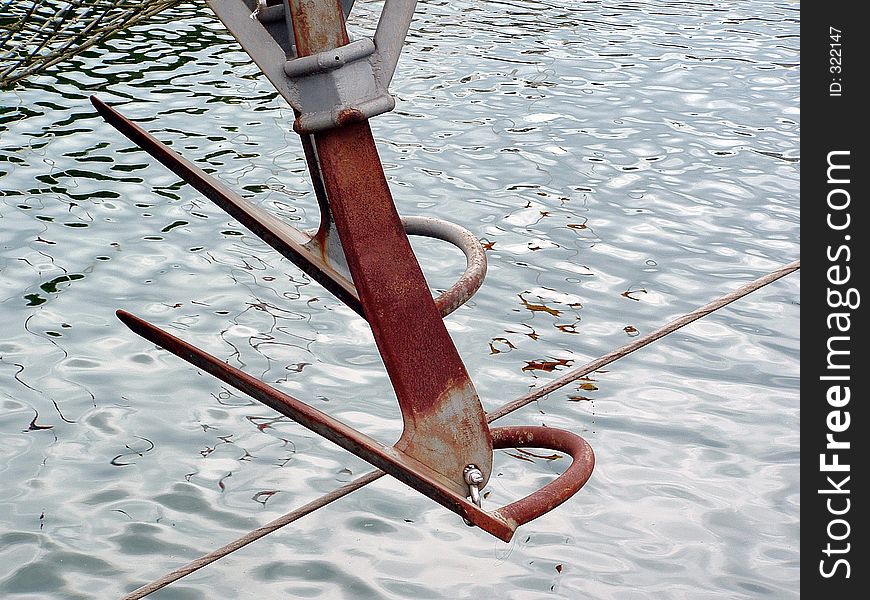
[
  {"x": 140, "y": 453},
  {"x": 628, "y": 294},
  {"x": 34, "y": 427},
  {"x": 57, "y": 408}
]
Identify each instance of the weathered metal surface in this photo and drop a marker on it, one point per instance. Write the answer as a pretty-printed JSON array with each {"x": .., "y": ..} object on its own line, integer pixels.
[
  {"x": 268, "y": 44},
  {"x": 398, "y": 464},
  {"x": 320, "y": 256},
  {"x": 475, "y": 258},
  {"x": 335, "y": 85},
  {"x": 501, "y": 523},
  {"x": 390, "y": 36},
  {"x": 361, "y": 253},
  {"x": 445, "y": 426},
  {"x": 560, "y": 489},
  {"x": 444, "y": 422},
  {"x": 318, "y": 25},
  {"x": 284, "y": 238},
  {"x": 341, "y": 82}
]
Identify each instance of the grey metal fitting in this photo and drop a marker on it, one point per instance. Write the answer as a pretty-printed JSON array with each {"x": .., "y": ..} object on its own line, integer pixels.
[
  {"x": 329, "y": 60},
  {"x": 473, "y": 477},
  {"x": 336, "y": 87},
  {"x": 346, "y": 84}
]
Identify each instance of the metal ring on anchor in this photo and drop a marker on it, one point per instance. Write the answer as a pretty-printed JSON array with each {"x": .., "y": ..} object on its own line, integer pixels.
[
  {"x": 560, "y": 489},
  {"x": 475, "y": 258}
]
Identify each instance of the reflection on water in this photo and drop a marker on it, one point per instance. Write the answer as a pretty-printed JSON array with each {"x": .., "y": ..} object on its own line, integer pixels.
[{"x": 622, "y": 162}]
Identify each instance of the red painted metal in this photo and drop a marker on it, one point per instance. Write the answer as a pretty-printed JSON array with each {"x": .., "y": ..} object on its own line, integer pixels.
[
  {"x": 501, "y": 523},
  {"x": 309, "y": 253},
  {"x": 398, "y": 464},
  {"x": 560, "y": 489},
  {"x": 445, "y": 427},
  {"x": 444, "y": 422}
]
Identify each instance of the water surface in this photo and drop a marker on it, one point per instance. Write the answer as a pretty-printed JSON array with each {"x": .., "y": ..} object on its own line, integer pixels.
[{"x": 624, "y": 163}]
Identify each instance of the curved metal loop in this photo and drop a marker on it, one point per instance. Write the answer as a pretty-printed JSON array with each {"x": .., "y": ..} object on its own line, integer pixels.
[
  {"x": 475, "y": 258},
  {"x": 560, "y": 489}
]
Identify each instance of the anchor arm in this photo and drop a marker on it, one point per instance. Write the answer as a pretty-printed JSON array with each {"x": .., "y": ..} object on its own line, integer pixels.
[
  {"x": 287, "y": 240},
  {"x": 306, "y": 252},
  {"x": 501, "y": 523},
  {"x": 391, "y": 460},
  {"x": 445, "y": 450}
]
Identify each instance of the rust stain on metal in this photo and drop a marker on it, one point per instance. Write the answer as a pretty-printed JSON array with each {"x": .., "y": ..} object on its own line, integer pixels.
[
  {"x": 427, "y": 373},
  {"x": 318, "y": 25},
  {"x": 445, "y": 426},
  {"x": 560, "y": 489},
  {"x": 349, "y": 115}
]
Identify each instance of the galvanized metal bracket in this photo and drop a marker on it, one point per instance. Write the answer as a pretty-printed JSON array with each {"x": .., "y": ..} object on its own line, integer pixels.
[
  {"x": 336, "y": 87},
  {"x": 330, "y": 88}
]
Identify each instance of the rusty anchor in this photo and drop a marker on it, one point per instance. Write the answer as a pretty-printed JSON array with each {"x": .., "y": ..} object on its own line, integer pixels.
[{"x": 361, "y": 254}]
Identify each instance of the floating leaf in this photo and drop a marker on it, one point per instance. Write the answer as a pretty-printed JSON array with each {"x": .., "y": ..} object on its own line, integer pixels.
[
  {"x": 539, "y": 307},
  {"x": 264, "y": 422},
  {"x": 543, "y": 456},
  {"x": 521, "y": 457},
  {"x": 546, "y": 365}
]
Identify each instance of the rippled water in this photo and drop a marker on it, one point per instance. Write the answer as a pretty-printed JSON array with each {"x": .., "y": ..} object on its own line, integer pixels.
[{"x": 624, "y": 162}]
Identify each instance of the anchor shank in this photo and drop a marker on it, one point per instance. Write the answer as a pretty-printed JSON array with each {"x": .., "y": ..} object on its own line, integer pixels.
[{"x": 445, "y": 425}]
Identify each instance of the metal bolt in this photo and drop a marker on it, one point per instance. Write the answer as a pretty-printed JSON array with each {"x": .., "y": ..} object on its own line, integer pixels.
[{"x": 473, "y": 477}]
